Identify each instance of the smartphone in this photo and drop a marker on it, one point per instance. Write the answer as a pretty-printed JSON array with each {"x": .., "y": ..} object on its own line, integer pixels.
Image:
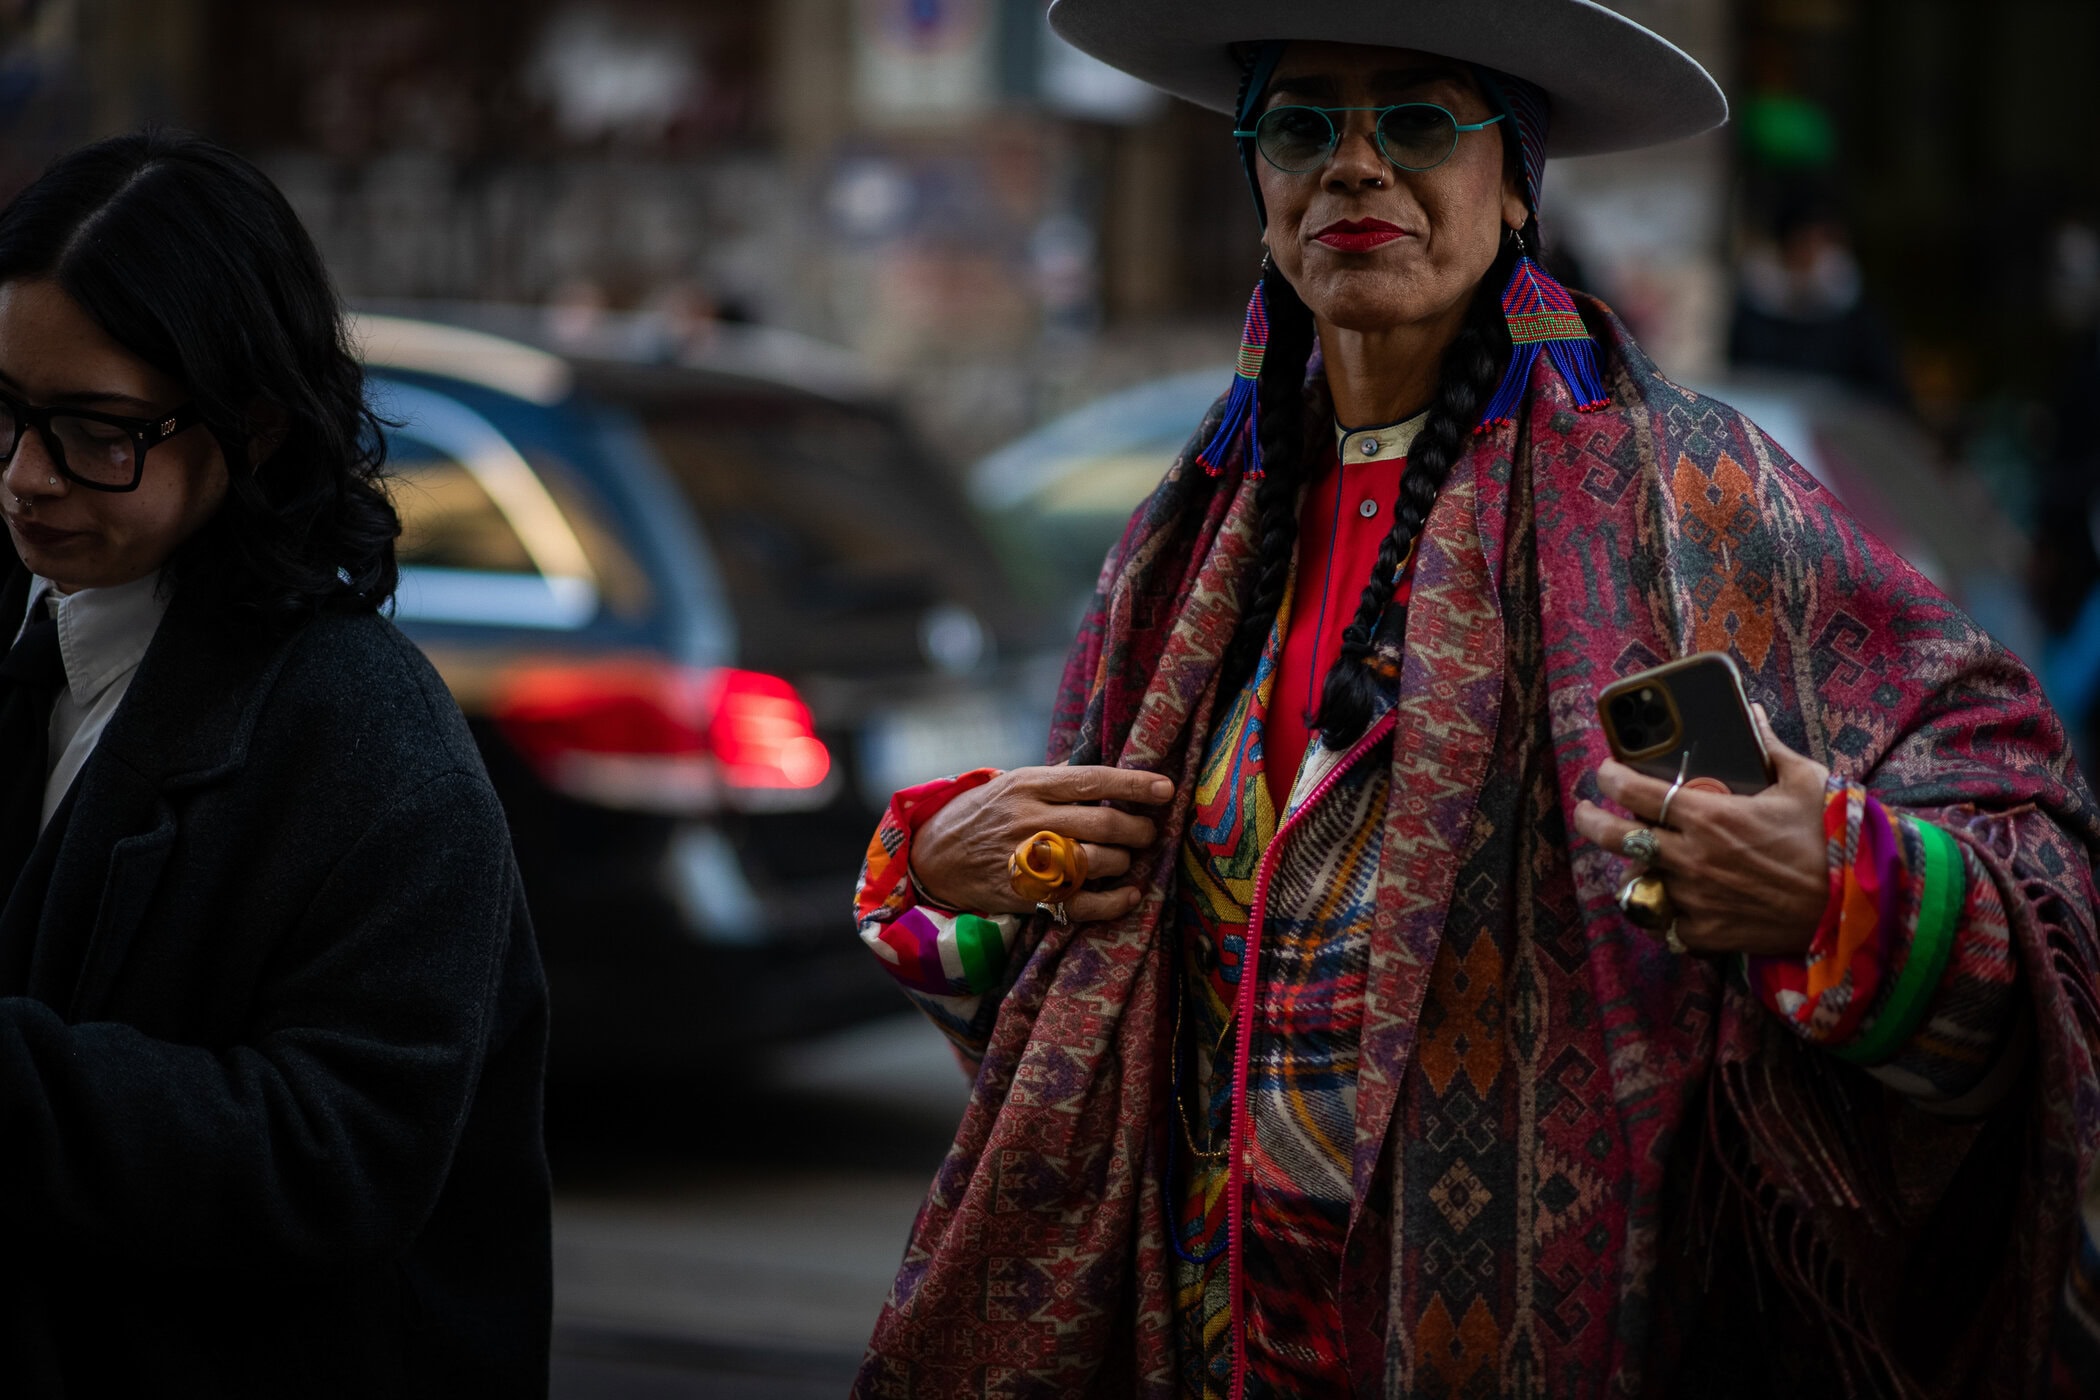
[{"x": 1689, "y": 719}]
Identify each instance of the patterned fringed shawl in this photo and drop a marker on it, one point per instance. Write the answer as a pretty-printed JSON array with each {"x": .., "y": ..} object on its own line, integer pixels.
[{"x": 1628, "y": 1132}]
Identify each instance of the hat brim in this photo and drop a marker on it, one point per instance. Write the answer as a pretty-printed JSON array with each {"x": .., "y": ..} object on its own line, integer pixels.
[{"x": 1615, "y": 85}]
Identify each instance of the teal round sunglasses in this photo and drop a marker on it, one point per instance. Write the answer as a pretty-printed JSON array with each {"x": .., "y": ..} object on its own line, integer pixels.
[{"x": 1412, "y": 135}]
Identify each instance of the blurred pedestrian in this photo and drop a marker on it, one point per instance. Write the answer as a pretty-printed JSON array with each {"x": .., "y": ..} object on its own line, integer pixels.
[
  {"x": 1801, "y": 307},
  {"x": 2065, "y": 570},
  {"x": 271, "y": 1019},
  {"x": 1338, "y": 1053}
]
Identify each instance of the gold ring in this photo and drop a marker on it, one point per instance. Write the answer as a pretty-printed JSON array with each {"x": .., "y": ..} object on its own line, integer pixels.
[
  {"x": 1047, "y": 868},
  {"x": 1645, "y": 902}
]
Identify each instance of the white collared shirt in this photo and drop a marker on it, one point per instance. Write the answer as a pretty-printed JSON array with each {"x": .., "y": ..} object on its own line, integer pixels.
[
  {"x": 1387, "y": 443},
  {"x": 103, "y": 634}
]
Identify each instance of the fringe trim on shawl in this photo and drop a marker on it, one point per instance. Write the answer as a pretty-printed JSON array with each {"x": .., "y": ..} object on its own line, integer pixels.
[{"x": 1785, "y": 1148}]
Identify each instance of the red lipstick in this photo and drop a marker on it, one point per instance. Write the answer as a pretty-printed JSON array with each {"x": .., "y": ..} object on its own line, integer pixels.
[{"x": 1359, "y": 235}]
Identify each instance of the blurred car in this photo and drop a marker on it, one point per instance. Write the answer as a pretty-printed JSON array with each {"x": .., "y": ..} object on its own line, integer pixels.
[
  {"x": 1059, "y": 497},
  {"x": 693, "y": 618}
]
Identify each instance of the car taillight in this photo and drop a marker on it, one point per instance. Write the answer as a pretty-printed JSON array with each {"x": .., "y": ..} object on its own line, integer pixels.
[
  {"x": 648, "y": 736},
  {"x": 761, "y": 733}
]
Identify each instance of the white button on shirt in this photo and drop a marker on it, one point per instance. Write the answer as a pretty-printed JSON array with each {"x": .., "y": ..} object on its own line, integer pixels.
[
  {"x": 1387, "y": 443},
  {"x": 103, "y": 634}
]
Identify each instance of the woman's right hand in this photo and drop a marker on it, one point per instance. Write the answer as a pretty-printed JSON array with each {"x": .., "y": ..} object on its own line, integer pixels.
[{"x": 958, "y": 858}]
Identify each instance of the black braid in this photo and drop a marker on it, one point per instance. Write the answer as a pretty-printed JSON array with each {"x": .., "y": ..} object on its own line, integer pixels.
[
  {"x": 1281, "y": 421},
  {"x": 1468, "y": 375}
]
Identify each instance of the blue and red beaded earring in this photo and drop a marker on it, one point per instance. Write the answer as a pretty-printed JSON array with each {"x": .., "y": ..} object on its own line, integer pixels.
[
  {"x": 1542, "y": 317},
  {"x": 1540, "y": 312},
  {"x": 1242, "y": 405}
]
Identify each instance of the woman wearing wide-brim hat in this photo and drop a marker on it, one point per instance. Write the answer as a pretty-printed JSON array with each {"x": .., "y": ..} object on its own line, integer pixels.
[{"x": 1376, "y": 1032}]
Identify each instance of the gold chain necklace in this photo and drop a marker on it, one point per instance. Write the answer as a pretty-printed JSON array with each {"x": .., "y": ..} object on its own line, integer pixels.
[{"x": 1181, "y": 1113}]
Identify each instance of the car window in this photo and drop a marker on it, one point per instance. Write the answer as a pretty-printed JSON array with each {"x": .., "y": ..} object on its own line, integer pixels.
[
  {"x": 448, "y": 521},
  {"x": 485, "y": 541},
  {"x": 1053, "y": 540},
  {"x": 623, "y": 583},
  {"x": 832, "y": 535},
  {"x": 811, "y": 506},
  {"x": 1057, "y": 500}
]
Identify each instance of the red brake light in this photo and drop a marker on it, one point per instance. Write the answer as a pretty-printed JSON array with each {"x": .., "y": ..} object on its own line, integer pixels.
[
  {"x": 620, "y": 708},
  {"x": 642, "y": 734},
  {"x": 763, "y": 735}
]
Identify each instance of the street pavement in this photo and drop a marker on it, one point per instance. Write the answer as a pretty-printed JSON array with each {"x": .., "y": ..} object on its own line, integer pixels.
[{"x": 735, "y": 1240}]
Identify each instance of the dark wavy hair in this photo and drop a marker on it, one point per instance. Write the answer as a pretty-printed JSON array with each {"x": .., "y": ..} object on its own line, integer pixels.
[{"x": 190, "y": 258}]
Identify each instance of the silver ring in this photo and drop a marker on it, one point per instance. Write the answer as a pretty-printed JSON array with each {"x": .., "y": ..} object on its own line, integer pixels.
[
  {"x": 1683, "y": 765},
  {"x": 1672, "y": 941},
  {"x": 1057, "y": 912},
  {"x": 1640, "y": 844},
  {"x": 1663, "y": 818}
]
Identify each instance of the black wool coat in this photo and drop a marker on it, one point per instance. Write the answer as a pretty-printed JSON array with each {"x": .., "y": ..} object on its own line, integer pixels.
[{"x": 272, "y": 1041}]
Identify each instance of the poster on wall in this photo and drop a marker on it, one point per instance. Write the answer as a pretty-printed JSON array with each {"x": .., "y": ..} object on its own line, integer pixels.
[{"x": 918, "y": 61}]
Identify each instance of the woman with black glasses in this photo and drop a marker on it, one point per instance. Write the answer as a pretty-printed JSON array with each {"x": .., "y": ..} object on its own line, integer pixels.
[{"x": 272, "y": 1023}]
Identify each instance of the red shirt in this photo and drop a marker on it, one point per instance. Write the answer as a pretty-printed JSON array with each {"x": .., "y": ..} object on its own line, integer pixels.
[{"x": 1337, "y": 546}]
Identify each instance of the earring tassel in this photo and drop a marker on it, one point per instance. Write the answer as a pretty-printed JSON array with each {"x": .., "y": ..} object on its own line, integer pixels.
[
  {"x": 1240, "y": 406},
  {"x": 1542, "y": 316}
]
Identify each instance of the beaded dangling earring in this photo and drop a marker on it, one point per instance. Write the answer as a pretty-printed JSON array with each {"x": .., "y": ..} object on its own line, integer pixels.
[
  {"x": 1241, "y": 405},
  {"x": 1542, "y": 316}
]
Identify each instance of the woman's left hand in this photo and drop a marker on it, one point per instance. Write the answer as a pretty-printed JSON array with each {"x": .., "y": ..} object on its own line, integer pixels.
[{"x": 1745, "y": 874}]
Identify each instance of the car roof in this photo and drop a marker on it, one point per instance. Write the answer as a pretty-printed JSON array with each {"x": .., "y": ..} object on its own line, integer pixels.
[
  {"x": 455, "y": 352},
  {"x": 746, "y": 379},
  {"x": 510, "y": 348}
]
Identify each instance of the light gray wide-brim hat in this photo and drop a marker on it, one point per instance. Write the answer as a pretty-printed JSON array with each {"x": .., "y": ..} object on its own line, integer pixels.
[{"x": 1615, "y": 85}]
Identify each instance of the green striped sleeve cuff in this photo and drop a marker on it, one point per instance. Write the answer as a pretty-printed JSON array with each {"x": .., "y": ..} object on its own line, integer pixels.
[{"x": 1941, "y": 894}]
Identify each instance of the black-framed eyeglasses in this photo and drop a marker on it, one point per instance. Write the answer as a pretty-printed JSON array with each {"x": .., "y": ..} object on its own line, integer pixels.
[
  {"x": 1415, "y": 136},
  {"x": 98, "y": 450}
]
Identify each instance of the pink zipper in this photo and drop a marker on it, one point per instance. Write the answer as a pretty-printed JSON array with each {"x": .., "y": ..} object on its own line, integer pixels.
[{"x": 1243, "y": 1014}]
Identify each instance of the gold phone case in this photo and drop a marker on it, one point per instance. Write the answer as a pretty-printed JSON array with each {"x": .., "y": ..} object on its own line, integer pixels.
[{"x": 1687, "y": 718}]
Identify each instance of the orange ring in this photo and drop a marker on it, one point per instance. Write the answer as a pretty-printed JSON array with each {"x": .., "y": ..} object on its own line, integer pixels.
[{"x": 1047, "y": 868}]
